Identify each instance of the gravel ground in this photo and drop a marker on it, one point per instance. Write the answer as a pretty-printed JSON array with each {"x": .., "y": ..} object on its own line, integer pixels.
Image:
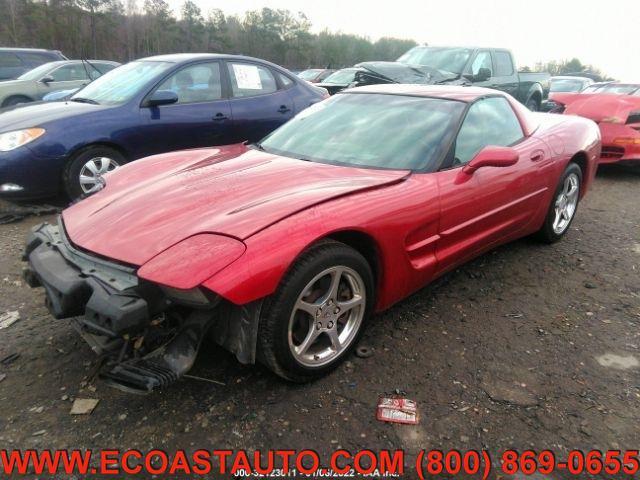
[{"x": 529, "y": 346}]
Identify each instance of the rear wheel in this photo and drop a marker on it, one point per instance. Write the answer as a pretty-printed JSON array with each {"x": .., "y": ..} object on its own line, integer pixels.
[
  {"x": 533, "y": 104},
  {"x": 16, "y": 100},
  {"x": 83, "y": 175},
  {"x": 563, "y": 206},
  {"x": 317, "y": 315}
]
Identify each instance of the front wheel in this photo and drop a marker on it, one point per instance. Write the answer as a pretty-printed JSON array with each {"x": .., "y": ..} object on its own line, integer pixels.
[
  {"x": 83, "y": 174},
  {"x": 317, "y": 315},
  {"x": 563, "y": 206},
  {"x": 533, "y": 105}
]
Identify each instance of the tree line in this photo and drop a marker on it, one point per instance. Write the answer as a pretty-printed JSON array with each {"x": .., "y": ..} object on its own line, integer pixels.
[{"x": 124, "y": 30}]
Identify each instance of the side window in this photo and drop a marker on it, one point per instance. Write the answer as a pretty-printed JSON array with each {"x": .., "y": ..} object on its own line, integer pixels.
[
  {"x": 8, "y": 59},
  {"x": 96, "y": 70},
  {"x": 38, "y": 58},
  {"x": 69, "y": 73},
  {"x": 490, "y": 121},
  {"x": 482, "y": 60},
  {"x": 248, "y": 80},
  {"x": 504, "y": 65},
  {"x": 195, "y": 83},
  {"x": 286, "y": 81}
]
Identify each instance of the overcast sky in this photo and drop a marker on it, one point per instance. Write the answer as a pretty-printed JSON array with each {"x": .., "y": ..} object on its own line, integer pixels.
[{"x": 603, "y": 33}]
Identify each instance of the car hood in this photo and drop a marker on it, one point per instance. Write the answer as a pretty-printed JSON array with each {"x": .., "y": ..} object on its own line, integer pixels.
[
  {"x": 597, "y": 106},
  {"x": 396, "y": 72},
  {"x": 36, "y": 115},
  {"x": 152, "y": 204}
]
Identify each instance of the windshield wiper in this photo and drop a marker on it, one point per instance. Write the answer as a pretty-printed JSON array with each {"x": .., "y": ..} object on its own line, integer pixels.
[{"x": 84, "y": 100}]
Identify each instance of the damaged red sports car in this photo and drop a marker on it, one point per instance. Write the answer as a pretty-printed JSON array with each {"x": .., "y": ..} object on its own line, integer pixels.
[
  {"x": 615, "y": 107},
  {"x": 282, "y": 251}
]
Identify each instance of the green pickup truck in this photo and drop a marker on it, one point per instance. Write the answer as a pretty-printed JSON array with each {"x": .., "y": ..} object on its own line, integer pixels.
[{"x": 482, "y": 67}]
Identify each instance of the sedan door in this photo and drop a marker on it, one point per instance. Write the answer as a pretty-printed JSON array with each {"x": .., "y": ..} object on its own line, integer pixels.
[
  {"x": 66, "y": 77},
  {"x": 259, "y": 103},
  {"x": 492, "y": 205},
  {"x": 200, "y": 118}
]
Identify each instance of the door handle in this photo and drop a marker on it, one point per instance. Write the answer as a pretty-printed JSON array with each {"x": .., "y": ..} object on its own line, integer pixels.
[
  {"x": 537, "y": 156},
  {"x": 283, "y": 109},
  {"x": 219, "y": 117}
]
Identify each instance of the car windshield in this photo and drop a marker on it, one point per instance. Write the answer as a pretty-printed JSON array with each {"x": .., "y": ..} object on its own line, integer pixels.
[
  {"x": 566, "y": 85},
  {"x": 121, "y": 84},
  {"x": 341, "y": 77},
  {"x": 446, "y": 59},
  {"x": 385, "y": 131},
  {"x": 309, "y": 74},
  {"x": 37, "y": 73}
]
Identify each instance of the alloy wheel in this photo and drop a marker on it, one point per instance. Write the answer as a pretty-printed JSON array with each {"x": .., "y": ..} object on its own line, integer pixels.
[
  {"x": 566, "y": 203},
  {"x": 327, "y": 316}
]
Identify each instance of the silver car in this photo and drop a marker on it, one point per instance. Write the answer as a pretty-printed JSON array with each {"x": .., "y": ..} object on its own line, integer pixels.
[{"x": 52, "y": 77}]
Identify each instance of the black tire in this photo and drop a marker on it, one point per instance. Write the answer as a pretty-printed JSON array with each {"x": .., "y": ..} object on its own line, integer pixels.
[
  {"x": 533, "y": 104},
  {"x": 16, "y": 100},
  {"x": 273, "y": 347},
  {"x": 71, "y": 174},
  {"x": 547, "y": 233}
]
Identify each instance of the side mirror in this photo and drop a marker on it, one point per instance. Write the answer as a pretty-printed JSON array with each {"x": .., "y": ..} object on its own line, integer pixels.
[
  {"x": 482, "y": 75},
  {"x": 47, "y": 79},
  {"x": 492, "y": 156},
  {"x": 162, "y": 97}
]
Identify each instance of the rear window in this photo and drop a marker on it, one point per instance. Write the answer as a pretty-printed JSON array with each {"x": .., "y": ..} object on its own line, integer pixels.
[
  {"x": 504, "y": 65},
  {"x": 37, "y": 58},
  {"x": 8, "y": 59}
]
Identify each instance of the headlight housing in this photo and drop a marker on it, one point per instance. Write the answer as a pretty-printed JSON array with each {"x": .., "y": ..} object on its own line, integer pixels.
[{"x": 12, "y": 140}]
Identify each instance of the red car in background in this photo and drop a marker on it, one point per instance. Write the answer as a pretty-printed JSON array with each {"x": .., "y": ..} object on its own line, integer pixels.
[
  {"x": 615, "y": 107},
  {"x": 284, "y": 249}
]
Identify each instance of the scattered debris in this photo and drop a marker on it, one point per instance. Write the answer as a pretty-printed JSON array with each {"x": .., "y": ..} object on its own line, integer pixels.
[
  {"x": 3, "y": 376},
  {"x": 364, "y": 352},
  {"x": 9, "y": 318},
  {"x": 15, "y": 212},
  {"x": 397, "y": 410},
  {"x": 83, "y": 406},
  {"x": 9, "y": 359},
  {"x": 589, "y": 285},
  {"x": 39, "y": 433},
  {"x": 514, "y": 315},
  {"x": 202, "y": 379},
  {"x": 513, "y": 393},
  {"x": 618, "y": 362}
]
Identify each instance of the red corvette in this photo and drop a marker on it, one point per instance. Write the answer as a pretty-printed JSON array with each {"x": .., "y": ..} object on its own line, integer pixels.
[
  {"x": 283, "y": 250},
  {"x": 615, "y": 107}
]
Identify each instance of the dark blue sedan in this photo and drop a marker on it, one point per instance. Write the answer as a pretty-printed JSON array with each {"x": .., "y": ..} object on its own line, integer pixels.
[{"x": 149, "y": 106}]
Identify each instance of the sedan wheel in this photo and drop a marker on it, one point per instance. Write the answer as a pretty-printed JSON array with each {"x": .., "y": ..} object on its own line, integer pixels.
[
  {"x": 92, "y": 172},
  {"x": 566, "y": 203},
  {"x": 318, "y": 312},
  {"x": 327, "y": 316}
]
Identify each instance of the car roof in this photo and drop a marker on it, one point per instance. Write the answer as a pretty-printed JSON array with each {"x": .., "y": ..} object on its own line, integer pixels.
[
  {"x": 186, "y": 57},
  {"x": 450, "y": 92},
  {"x": 41, "y": 50}
]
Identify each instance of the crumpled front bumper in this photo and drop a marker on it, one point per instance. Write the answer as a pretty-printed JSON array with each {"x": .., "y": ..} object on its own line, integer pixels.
[{"x": 109, "y": 295}]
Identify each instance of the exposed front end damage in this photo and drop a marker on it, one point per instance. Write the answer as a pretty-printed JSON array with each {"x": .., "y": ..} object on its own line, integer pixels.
[{"x": 146, "y": 336}]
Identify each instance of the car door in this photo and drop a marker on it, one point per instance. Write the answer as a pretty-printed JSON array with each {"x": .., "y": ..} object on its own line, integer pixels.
[
  {"x": 492, "y": 204},
  {"x": 66, "y": 77},
  {"x": 505, "y": 75},
  {"x": 200, "y": 118},
  {"x": 259, "y": 102}
]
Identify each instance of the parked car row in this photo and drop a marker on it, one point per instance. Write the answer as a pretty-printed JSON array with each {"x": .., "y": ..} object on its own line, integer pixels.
[
  {"x": 483, "y": 67},
  {"x": 150, "y": 106}
]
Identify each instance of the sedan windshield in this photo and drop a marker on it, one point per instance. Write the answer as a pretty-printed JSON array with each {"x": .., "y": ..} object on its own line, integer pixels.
[
  {"x": 342, "y": 77},
  {"x": 370, "y": 130},
  {"x": 121, "y": 84},
  {"x": 38, "y": 72},
  {"x": 566, "y": 85},
  {"x": 447, "y": 59}
]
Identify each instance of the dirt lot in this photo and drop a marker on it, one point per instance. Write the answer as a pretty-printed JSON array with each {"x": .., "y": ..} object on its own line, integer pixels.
[{"x": 530, "y": 346}]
